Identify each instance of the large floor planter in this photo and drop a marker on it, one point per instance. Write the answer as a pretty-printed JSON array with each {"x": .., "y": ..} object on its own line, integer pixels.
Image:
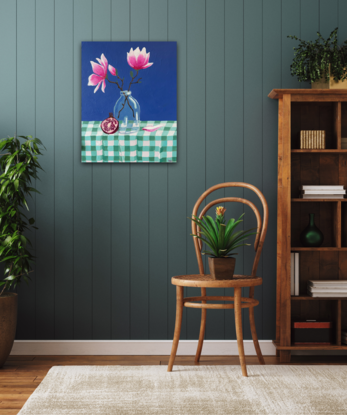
[
  {"x": 222, "y": 268},
  {"x": 8, "y": 324}
]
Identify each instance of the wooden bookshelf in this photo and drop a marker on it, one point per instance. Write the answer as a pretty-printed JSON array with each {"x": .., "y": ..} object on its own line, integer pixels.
[{"x": 306, "y": 109}]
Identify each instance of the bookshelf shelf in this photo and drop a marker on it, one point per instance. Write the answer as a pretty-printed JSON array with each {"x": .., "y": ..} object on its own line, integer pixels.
[
  {"x": 327, "y": 151},
  {"x": 309, "y": 347},
  {"x": 299, "y": 200},
  {"x": 307, "y": 109},
  {"x": 321, "y": 248},
  {"x": 309, "y": 298}
]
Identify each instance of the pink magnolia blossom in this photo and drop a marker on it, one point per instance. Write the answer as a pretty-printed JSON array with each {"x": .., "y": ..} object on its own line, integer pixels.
[
  {"x": 112, "y": 70},
  {"x": 138, "y": 59},
  {"x": 100, "y": 73}
]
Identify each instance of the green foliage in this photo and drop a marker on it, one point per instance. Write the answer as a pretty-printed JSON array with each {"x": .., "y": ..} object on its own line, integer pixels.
[
  {"x": 221, "y": 237},
  {"x": 18, "y": 166},
  {"x": 313, "y": 59}
]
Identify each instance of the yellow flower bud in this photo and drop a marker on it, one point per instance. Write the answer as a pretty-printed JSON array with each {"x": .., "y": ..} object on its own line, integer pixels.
[{"x": 220, "y": 210}]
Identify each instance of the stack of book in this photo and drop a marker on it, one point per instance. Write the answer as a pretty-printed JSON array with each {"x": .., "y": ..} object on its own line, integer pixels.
[
  {"x": 312, "y": 139},
  {"x": 311, "y": 332},
  {"x": 294, "y": 273},
  {"x": 344, "y": 337},
  {"x": 327, "y": 288},
  {"x": 323, "y": 192}
]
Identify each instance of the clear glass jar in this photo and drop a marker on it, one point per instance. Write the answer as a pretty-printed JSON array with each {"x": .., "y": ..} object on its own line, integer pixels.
[{"x": 127, "y": 112}]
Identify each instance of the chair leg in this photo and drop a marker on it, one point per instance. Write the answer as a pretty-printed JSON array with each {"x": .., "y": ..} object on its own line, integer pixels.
[
  {"x": 255, "y": 337},
  {"x": 238, "y": 324},
  {"x": 178, "y": 325},
  {"x": 202, "y": 328}
]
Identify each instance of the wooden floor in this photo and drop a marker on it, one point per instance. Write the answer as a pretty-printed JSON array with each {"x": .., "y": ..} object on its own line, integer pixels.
[{"x": 21, "y": 375}]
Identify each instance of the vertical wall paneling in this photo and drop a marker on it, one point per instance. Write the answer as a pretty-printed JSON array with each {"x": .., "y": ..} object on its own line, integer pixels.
[
  {"x": 290, "y": 26},
  {"x": 82, "y": 202},
  {"x": 101, "y": 207},
  {"x": 178, "y": 224},
  {"x": 139, "y": 187},
  {"x": 215, "y": 99},
  {"x": 309, "y": 25},
  {"x": 253, "y": 137},
  {"x": 120, "y": 183},
  {"x": 26, "y": 126},
  {"x": 8, "y": 106},
  {"x": 271, "y": 76},
  {"x": 328, "y": 16},
  {"x": 158, "y": 205},
  {"x": 233, "y": 125},
  {"x": 196, "y": 133},
  {"x": 45, "y": 121},
  {"x": 111, "y": 237},
  {"x": 64, "y": 169},
  {"x": 342, "y": 14}
]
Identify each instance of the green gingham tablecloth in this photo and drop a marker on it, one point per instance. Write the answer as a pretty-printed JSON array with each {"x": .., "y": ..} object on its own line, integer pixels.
[{"x": 144, "y": 147}]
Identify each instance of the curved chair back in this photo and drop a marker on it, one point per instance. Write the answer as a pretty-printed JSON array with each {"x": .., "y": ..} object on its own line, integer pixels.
[{"x": 261, "y": 224}]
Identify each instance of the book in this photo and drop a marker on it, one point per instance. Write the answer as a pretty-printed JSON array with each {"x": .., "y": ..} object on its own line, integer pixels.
[
  {"x": 326, "y": 295},
  {"x": 296, "y": 275},
  {"x": 327, "y": 283},
  {"x": 311, "y": 324},
  {"x": 314, "y": 141},
  {"x": 324, "y": 192},
  {"x": 292, "y": 274},
  {"x": 328, "y": 290},
  {"x": 322, "y": 196},
  {"x": 323, "y": 187}
]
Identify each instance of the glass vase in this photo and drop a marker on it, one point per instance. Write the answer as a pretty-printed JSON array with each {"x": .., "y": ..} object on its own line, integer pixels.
[
  {"x": 127, "y": 112},
  {"x": 311, "y": 236}
]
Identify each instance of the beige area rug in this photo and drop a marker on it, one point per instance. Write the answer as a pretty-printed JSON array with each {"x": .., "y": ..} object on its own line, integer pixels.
[{"x": 210, "y": 390}]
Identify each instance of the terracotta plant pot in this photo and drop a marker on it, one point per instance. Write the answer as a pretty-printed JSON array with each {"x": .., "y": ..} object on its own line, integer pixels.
[
  {"x": 221, "y": 268},
  {"x": 8, "y": 324}
]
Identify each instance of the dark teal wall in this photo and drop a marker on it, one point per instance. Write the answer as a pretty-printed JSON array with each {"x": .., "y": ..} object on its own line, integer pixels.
[{"x": 111, "y": 236}]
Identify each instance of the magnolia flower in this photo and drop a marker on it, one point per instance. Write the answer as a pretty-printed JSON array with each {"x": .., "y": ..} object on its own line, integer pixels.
[
  {"x": 100, "y": 73},
  {"x": 112, "y": 70},
  {"x": 138, "y": 59},
  {"x": 220, "y": 210}
]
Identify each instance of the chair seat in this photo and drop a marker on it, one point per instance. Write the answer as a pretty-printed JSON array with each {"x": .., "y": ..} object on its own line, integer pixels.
[{"x": 205, "y": 280}]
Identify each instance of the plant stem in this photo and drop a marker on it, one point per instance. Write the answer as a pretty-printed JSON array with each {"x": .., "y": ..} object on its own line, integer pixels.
[
  {"x": 112, "y": 82},
  {"x": 3, "y": 290}
]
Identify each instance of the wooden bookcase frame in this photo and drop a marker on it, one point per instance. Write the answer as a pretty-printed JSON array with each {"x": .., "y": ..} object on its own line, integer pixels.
[{"x": 310, "y": 109}]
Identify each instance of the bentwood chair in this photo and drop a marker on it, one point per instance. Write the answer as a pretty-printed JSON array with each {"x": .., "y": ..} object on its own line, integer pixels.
[{"x": 204, "y": 281}]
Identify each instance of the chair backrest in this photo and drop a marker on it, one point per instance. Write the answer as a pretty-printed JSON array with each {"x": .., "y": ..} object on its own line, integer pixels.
[{"x": 261, "y": 224}]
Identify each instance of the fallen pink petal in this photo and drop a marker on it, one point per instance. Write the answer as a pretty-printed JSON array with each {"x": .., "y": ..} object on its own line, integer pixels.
[{"x": 151, "y": 128}]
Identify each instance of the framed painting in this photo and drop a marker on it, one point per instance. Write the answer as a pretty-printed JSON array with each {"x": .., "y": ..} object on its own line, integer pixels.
[{"x": 129, "y": 102}]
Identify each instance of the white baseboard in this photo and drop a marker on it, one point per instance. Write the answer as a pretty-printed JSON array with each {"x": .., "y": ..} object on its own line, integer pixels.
[{"x": 136, "y": 347}]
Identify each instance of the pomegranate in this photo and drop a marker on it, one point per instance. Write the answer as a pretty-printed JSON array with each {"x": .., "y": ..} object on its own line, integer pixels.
[{"x": 110, "y": 125}]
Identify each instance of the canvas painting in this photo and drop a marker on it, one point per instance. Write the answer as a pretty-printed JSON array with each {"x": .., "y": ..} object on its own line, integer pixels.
[{"x": 129, "y": 102}]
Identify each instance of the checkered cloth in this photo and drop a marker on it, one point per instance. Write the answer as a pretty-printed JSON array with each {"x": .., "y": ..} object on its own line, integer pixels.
[{"x": 144, "y": 147}]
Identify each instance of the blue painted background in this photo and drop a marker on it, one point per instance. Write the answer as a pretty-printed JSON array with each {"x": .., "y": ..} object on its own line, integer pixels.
[
  {"x": 111, "y": 236},
  {"x": 157, "y": 92}
]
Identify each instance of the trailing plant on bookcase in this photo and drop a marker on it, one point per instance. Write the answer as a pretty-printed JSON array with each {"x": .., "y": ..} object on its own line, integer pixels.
[{"x": 321, "y": 59}]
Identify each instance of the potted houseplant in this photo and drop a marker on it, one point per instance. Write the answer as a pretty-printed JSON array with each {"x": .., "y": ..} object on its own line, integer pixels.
[
  {"x": 18, "y": 168},
  {"x": 222, "y": 240},
  {"x": 321, "y": 62}
]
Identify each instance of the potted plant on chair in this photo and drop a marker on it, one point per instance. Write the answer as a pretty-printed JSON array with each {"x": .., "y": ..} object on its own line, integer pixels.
[
  {"x": 18, "y": 167},
  {"x": 222, "y": 240}
]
